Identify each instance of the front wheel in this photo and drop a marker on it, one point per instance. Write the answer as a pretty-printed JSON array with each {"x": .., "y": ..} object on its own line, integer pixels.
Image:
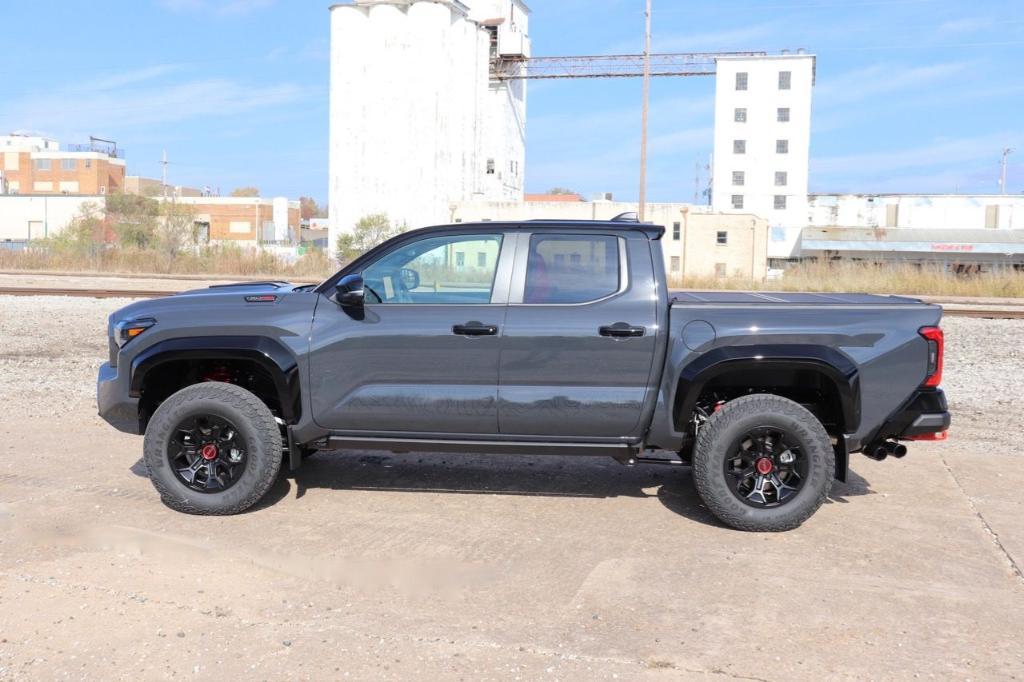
[
  {"x": 763, "y": 463},
  {"x": 212, "y": 448}
]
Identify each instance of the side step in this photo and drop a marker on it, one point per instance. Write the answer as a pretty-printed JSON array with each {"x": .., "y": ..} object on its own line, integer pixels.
[{"x": 501, "y": 447}]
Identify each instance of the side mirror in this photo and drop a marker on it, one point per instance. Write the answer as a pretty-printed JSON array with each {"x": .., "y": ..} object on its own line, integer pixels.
[{"x": 349, "y": 291}]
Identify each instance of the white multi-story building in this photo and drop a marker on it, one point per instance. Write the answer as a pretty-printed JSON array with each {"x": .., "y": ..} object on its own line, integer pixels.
[
  {"x": 417, "y": 124},
  {"x": 762, "y": 141}
]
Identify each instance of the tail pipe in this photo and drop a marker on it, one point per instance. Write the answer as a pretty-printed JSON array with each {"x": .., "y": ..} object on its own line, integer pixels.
[{"x": 882, "y": 449}]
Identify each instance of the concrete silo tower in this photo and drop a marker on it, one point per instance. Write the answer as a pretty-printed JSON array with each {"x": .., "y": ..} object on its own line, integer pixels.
[{"x": 416, "y": 121}]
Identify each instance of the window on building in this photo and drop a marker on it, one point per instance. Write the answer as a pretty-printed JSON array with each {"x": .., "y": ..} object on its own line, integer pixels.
[
  {"x": 737, "y": 201},
  {"x": 781, "y": 146},
  {"x": 440, "y": 272},
  {"x": 780, "y": 201},
  {"x": 88, "y": 163},
  {"x": 892, "y": 215},
  {"x": 740, "y": 115},
  {"x": 201, "y": 232},
  {"x": 739, "y": 146},
  {"x": 785, "y": 79},
  {"x": 592, "y": 271},
  {"x": 720, "y": 270},
  {"x": 675, "y": 232},
  {"x": 738, "y": 177},
  {"x": 722, "y": 237},
  {"x": 42, "y": 164},
  {"x": 67, "y": 164},
  {"x": 782, "y": 114},
  {"x": 675, "y": 264},
  {"x": 992, "y": 217},
  {"x": 741, "y": 80},
  {"x": 481, "y": 259},
  {"x": 490, "y": 166},
  {"x": 781, "y": 178}
]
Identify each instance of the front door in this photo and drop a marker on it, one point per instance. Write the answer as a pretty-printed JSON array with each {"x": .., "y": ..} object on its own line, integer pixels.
[
  {"x": 579, "y": 336},
  {"x": 423, "y": 358}
]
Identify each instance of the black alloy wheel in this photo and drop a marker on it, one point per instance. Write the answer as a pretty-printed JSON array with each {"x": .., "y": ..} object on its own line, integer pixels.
[
  {"x": 207, "y": 453},
  {"x": 765, "y": 469}
]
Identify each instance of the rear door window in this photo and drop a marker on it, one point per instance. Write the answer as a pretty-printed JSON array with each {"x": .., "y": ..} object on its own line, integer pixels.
[{"x": 571, "y": 268}]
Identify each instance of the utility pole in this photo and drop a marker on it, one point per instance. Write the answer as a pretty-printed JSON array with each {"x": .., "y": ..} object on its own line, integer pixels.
[
  {"x": 1002, "y": 170},
  {"x": 163, "y": 182},
  {"x": 646, "y": 98}
]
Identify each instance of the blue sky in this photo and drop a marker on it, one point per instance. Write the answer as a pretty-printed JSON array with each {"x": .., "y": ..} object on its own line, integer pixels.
[{"x": 911, "y": 95}]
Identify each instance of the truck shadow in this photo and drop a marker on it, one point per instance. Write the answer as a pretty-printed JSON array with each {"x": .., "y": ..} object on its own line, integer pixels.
[{"x": 555, "y": 476}]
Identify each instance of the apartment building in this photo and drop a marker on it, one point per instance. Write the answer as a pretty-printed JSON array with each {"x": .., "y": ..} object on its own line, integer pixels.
[
  {"x": 37, "y": 165},
  {"x": 762, "y": 141}
]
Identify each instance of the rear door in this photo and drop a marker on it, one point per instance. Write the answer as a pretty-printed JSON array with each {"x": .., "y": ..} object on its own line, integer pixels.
[
  {"x": 422, "y": 357},
  {"x": 579, "y": 337}
]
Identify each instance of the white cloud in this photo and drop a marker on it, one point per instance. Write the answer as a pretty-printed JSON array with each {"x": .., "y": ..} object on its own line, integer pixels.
[
  {"x": 878, "y": 79},
  {"x": 706, "y": 41},
  {"x": 66, "y": 113},
  {"x": 132, "y": 77},
  {"x": 944, "y": 165},
  {"x": 964, "y": 25},
  {"x": 221, "y": 7}
]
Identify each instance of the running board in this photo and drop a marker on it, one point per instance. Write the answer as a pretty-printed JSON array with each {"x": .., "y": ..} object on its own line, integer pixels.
[{"x": 502, "y": 447}]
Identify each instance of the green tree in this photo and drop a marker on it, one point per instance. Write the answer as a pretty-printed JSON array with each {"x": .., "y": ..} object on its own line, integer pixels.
[
  {"x": 133, "y": 218},
  {"x": 84, "y": 234},
  {"x": 245, "y": 192},
  {"x": 561, "y": 190},
  {"x": 369, "y": 231}
]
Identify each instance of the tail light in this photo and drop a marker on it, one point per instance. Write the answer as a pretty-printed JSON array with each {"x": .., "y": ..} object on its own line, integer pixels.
[
  {"x": 938, "y": 435},
  {"x": 936, "y": 344}
]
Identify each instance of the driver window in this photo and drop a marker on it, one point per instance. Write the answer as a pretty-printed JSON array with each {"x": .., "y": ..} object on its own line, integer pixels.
[{"x": 456, "y": 269}]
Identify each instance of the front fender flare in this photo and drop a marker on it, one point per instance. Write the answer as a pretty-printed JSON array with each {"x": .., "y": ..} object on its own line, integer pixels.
[{"x": 264, "y": 351}]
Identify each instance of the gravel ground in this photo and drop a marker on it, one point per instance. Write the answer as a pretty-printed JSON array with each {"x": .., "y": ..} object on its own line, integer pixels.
[{"x": 372, "y": 565}]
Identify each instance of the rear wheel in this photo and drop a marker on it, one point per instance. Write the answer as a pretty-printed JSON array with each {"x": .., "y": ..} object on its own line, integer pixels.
[
  {"x": 763, "y": 463},
  {"x": 212, "y": 448}
]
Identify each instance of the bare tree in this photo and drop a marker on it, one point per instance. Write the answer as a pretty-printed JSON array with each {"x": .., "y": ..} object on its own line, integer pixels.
[{"x": 175, "y": 231}]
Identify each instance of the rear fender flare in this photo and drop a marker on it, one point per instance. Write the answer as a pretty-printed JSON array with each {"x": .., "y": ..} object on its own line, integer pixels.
[
  {"x": 264, "y": 351},
  {"x": 835, "y": 365}
]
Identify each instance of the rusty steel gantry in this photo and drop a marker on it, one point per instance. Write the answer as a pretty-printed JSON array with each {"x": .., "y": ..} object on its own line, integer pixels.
[{"x": 610, "y": 66}]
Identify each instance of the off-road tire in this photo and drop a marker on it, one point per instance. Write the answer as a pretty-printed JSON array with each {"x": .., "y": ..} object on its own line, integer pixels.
[
  {"x": 253, "y": 420},
  {"x": 720, "y": 432}
]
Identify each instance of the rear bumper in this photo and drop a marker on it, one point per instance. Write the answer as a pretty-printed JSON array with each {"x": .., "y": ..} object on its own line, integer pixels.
[
  {"x": 925, "y": 414},
  {"x": 113, "y": 402}
]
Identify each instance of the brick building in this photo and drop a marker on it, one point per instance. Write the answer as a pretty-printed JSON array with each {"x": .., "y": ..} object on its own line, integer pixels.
[
  {"x": 244, "y": 220},
  {"x": 37, "y": 165}
]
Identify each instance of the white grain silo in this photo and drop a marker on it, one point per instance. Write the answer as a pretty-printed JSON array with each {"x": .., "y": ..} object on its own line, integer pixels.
[{"x": 416, "y": 121}]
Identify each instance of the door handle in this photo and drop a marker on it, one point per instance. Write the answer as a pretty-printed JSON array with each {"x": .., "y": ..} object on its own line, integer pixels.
[
  {"x": 622, "y": 330},
  {"x": 475, "y": 329}
]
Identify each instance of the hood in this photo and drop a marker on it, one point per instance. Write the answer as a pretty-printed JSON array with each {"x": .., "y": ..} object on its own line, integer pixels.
[{"x": 218, "y": 295}]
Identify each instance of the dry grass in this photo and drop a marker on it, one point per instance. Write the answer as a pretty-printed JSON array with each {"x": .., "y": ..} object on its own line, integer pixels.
[
  {"x": 874, "y": 279},
  {"x": 234, "y": 261},
  {"x": 213, "y": 261}
]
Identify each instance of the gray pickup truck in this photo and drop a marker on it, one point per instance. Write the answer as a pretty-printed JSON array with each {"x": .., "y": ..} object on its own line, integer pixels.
[{"x": 539, "y": 337}]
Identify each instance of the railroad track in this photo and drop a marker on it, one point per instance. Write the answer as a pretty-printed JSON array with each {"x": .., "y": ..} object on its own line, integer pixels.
[
  {"x": 962, "y": 309},
  {"x": 84, "y": 293}
]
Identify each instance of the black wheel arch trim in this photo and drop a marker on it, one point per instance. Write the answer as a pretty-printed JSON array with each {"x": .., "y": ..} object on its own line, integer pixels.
[
  {"x": 835, "y": 365},
  {"x": 265, "y": 351}
]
